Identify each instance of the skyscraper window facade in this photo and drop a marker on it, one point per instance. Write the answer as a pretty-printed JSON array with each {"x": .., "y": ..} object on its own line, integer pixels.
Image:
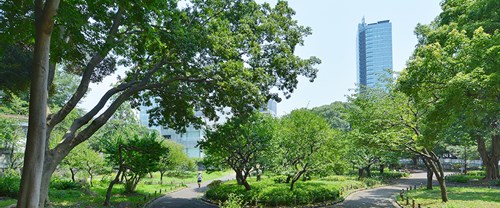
[{"x": 374, "y": 53}]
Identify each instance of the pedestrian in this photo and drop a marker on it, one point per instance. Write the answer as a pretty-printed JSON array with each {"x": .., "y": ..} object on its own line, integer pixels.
[{"x": 199, "y": 179}]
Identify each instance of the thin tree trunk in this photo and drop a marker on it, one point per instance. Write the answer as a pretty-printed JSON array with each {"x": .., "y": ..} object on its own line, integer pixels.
[
  {"x": 429, "y": 174},
  {"x": 360, "y": 173},
  {"x": 73, "y": 173},
  {"x": 437, "y": 168},
  {"x": 29, "y": 193},
  {"x": 381, "y": 168},
  {"x": 110, "y": 187},
  {"x": 161, "y": 176},
  {"x": 296, "y": 178},
  {"x": 117, "y": 178},
  {"x": 368, "y": 171}
]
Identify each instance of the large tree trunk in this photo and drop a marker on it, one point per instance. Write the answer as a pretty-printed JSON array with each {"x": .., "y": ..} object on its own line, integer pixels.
[
  {"x": 490, "y": 159},
  {"x": 52, "y": 159},
  {"x": 29, "y": 193}
]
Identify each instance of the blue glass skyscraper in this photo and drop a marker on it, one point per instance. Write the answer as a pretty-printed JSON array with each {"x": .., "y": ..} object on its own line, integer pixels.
[{"x": 374, "y": 53}]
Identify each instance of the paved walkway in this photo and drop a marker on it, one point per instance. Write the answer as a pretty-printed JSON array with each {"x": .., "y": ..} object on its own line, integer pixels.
[
  {"x": 384, "y": 196},
  {"x": 186, "y": 198}
]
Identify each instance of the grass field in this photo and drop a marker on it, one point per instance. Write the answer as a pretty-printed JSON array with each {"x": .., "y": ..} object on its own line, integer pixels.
[{"x": 458, "y": 197}]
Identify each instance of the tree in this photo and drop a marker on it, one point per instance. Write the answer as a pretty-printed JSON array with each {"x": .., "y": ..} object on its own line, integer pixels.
[
  {"x": 388, "y": 120},
  {"x": 301, "y": 143},
  {"x": 240, "y": 143},
  {"x": 455, "y": 68},
  {"x": 11, "y": 138},
  {"x": 134, "y": 157},
  {"x": 84, "y": 159},
  {"x": 175, "y": 160},
  {"x": 203, "y": 55}
]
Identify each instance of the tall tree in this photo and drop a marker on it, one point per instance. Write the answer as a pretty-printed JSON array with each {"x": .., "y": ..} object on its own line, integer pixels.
[
  {"x": 240, "y": 143},
  {"x": 455, "y": 68},
  {"x": 202, "y": 55},
  {"x": 301, "y": 143}
]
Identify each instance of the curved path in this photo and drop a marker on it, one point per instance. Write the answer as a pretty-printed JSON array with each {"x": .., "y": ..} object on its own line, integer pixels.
[
  {"x": 188, "y": 197},
  {"x": 383, "y": 196}
]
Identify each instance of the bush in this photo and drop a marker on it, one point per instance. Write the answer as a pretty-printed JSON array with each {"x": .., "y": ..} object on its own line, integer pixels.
[
  {"x": 234, "y": 201},
  {"x": 476, "y": 173},
  {"x": 457, "y": 178},
  {"x": 496, "y": 182},
  {"x": 214, "y": 184},
  {"x": 269, "y": 193},
  {"x": 279, "y": 179},
  {"x": 9, "y": 185},
  {"x": 391, "y": 175},
  {"x": 64, "y": 184}
]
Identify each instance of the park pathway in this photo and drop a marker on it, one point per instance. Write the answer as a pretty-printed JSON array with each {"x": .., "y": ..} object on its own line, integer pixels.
[
  {"x": 186, "y": 198},
  {"x": 383, "y": 196}
]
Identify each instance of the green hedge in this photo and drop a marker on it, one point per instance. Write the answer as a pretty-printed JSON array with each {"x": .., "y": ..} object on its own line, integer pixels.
[
  {"x": 457, "y": 178},
  {"x": 269, "y": 193},
  {"x": 9, "y": 185},
  {"x": 390, "y": 175}
]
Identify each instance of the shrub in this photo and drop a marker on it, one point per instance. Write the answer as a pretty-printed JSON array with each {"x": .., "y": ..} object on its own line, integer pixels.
[
  {"x": 9, "y": 185},
  {"x": 391, "y": 175},
  {"x": 457, "y": 178},
  {"x": 269, "y": 193},
  {"x": 476, "y": 173},
  {"x": 214, "y": 184},
  {"x": 64, "y": 184},
  {"x": 496, "y": 182},
  {"x": 234, "y": 201},
  {"x": 279, "y": 179}
]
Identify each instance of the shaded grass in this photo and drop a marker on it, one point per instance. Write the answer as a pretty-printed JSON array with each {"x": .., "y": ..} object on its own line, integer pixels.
[
  {"x": 458, "y": 197},
  {"x": 7, "y": 202}
]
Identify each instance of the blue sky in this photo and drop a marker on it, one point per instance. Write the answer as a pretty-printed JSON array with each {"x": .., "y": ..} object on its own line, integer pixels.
[{"x": 334, "y": 25}]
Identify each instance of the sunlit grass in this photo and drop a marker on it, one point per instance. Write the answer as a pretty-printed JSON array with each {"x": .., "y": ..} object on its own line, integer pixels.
[{"x": 458, "y": 197}]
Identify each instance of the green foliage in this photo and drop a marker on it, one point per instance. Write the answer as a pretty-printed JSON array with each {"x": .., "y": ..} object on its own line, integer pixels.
[
  {"x": 391, "y": 175},
  {"x": 233, "y": 201},
  {"x": 242, "y": 143},
  {"x": 335, "y": 114},
  {"x": 214, "y": 184},
  {"x": 302, "y": 140},
  {"x": 269, "y": 193},
  {"x": 279, "y": 179},
  {"x": 459, "y": 197},
  {"x": 139, "y": 155},
  {"x": 62, "y": 184},
  {"x": 9, "y": 185}
]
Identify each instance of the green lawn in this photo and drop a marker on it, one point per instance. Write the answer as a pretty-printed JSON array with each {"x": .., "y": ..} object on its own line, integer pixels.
[
  {"x": 458, "y": 197},
  {"x": 96, "y": 195}
]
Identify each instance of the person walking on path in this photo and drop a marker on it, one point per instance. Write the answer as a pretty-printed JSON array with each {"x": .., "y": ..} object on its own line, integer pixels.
[
  {"x": 199, "y": 179},
  {"x": 188, "y": 197}
]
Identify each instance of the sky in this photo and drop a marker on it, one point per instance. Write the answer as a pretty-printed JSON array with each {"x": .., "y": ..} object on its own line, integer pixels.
[{"x": 334, "y": 25}]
